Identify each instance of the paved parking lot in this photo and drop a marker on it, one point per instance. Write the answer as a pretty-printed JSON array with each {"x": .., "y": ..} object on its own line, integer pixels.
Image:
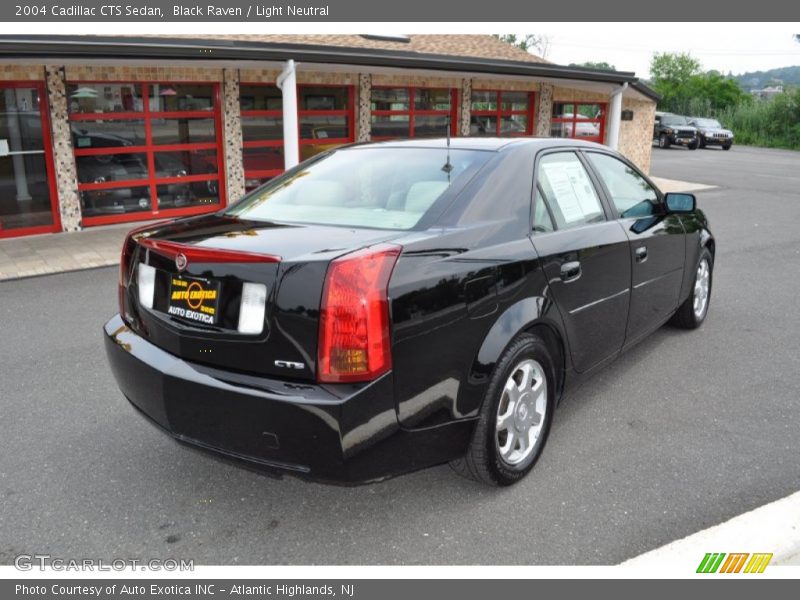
[{"x": 684, "y": 431}]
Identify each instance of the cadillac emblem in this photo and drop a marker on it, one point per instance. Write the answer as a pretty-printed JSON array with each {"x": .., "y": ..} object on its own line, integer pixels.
[{"x": 180, "y": 262}]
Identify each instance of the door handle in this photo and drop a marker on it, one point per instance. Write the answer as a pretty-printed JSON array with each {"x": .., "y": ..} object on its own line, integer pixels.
[
  {"x": 570, "y": 271},
  {"x": 641, "y": 254}
]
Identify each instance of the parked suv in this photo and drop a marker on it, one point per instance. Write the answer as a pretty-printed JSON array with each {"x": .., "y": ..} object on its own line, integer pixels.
[
  {"x": 674, "y": 129},
  {"x": 710, "y": 132}
]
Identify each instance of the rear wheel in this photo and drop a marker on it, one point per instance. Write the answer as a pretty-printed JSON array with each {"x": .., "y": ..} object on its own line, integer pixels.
[
  {"x": 515, "y": 417},
  {"x": 663, "y": 141},
  {"x": 693, "y": 311}
]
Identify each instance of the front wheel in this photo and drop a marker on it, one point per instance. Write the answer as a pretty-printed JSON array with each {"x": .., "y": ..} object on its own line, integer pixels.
[
  {"x": 693, "y": 145},
  {"x": 515, "y": 417},
  {"x": 727, "y": 146},
  {"x": 663, "y": 141},
  {"x": 693, "y": 311}
]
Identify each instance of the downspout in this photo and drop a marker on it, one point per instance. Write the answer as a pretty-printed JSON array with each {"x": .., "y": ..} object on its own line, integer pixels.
[
  {"x": 615, "y": 116},
  {"x": 287, "y": 83}
]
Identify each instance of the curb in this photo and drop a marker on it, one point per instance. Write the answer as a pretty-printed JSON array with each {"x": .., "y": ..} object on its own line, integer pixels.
[{"x": 772, "y": 528}]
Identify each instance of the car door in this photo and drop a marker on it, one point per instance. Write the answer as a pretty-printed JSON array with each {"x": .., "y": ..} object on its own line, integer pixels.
[
  {"x": 585, "y": 257},
  {"x": 657, "y": 242}
]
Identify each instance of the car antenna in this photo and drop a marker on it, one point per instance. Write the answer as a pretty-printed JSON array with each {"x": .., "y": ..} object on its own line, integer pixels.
[{"x": 448, "y": 167}]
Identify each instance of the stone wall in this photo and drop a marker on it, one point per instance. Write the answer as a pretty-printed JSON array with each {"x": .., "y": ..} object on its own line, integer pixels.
[
  {"x": 232, "y": 136},
  {"x": 66, "y": 175},
  {"x": 636, "y": 136}
]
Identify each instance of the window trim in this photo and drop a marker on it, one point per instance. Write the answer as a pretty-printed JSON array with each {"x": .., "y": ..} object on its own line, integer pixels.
[
  {"x": 412, "y": 111},
  {"x": 150, "y": 149},
  {"x": 348, "y": 112},
  {"x": 499, "y": 112}
]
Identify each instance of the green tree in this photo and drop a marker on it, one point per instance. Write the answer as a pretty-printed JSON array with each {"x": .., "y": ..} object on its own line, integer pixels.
[
  {"x": 686, "y": 89},
  {"x": 598, "y": 66},
  {"x": 715, "y": 91},
  {"x": 673, "y": 68}
]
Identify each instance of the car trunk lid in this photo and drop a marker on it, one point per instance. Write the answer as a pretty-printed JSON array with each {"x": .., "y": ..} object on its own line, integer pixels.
[{"x": 205, "y": 272}]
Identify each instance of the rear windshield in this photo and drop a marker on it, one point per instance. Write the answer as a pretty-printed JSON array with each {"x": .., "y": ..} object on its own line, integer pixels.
[{"x": 385, "y": 188}]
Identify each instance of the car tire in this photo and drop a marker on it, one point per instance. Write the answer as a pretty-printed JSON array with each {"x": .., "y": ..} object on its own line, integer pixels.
[
  {"x": 693, "y": 145},
  {"x": 702, "y": 142},
  {"x": 663, "y": 141},
  {"x": 515, "y": 417},
  {"x": 727, "y": 146},
  {"x": 693, "y": 311}
]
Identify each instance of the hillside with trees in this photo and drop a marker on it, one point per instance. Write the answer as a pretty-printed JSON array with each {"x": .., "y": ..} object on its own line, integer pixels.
[{"x": 786, "y": 76}]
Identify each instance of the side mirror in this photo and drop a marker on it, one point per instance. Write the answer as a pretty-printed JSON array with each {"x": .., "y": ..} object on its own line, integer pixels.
[{"x": 680, "y": 203}]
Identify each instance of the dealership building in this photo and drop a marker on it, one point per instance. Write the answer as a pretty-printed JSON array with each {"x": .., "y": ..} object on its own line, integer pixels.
[{"x": 97, "y": 130}]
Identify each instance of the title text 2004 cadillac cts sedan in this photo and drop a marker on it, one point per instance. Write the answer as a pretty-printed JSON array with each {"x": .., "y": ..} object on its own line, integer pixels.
[{"x": 392, "y": 306}]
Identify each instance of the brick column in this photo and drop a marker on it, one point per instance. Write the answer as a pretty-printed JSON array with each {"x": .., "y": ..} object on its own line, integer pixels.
[
  {"x": 66, "y": 175},
  {"x": 544, "y": 110},
  {"x": 364, "y": 123},
  {"x": 466, "y": 105},
  {"x": 232, "y": 135}
]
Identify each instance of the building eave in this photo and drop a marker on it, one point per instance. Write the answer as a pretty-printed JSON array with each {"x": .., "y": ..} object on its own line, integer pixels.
[{"x": 161, "y": 48}]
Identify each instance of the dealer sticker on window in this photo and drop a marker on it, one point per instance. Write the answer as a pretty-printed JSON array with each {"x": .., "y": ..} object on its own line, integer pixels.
[{"x": 193, "y": 299}]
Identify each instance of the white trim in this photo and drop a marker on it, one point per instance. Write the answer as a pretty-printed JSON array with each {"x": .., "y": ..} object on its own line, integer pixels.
[{"x": 287, "y": 83}]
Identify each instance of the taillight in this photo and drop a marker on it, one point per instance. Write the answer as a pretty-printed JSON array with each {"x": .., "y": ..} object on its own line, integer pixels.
[
  {"x": 128, "y": 247},
  {"x": 354, "y": 339}
]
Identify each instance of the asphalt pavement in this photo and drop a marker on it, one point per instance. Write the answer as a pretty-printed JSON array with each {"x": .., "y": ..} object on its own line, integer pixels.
[{"x": 685, "y": 431}]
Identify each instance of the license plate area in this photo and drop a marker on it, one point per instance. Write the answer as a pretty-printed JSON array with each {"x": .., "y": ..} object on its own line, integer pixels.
[{"x": 193, "y": 299}]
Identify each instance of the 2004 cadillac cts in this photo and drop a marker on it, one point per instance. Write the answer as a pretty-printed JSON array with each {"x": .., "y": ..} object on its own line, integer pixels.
[{"x": 386, "y": 307}]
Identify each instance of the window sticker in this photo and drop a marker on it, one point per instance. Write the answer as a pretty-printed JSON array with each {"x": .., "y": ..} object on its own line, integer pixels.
[{"x": 572, "y": 189}]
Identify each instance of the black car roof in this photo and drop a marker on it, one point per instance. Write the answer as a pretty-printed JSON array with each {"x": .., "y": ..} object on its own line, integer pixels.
[{"x": 491, "y": 144}]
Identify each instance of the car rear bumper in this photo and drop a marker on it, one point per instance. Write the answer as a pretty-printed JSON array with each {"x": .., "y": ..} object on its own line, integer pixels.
[{"x": 343, "y": 433}]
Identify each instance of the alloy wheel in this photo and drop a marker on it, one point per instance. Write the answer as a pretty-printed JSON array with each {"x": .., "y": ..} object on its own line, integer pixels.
[
  {"x": 521, "y": 412},
  {"x": 702, "y": 285}
]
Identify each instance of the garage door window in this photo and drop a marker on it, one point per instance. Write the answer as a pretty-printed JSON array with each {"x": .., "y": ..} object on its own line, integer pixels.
[
  {"x": 145, "y": 149},
  {"x": 501, "y": 113},
  {"x": 585, "y": 121},
  {"x": 407, "y": 112},
  {"x": 325, "y": 114}
]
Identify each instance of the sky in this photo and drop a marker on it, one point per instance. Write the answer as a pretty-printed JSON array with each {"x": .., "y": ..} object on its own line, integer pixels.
[{"x": 735, "y": 47}]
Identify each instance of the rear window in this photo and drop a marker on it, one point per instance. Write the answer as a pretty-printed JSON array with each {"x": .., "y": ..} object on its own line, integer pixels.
[{"x": 385, "y": 188}]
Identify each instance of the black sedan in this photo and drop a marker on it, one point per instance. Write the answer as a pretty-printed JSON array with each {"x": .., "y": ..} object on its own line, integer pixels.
[{"x": 386, "y": 307}]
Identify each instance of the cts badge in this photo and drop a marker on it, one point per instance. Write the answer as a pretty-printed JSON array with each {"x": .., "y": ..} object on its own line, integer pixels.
[
  {"x": 181, "y": 261},
  {"x": 287, "y": 364}
]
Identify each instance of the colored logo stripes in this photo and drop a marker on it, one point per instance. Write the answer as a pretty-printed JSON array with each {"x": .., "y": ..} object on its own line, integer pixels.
[{"x": 719, "y": 562}]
